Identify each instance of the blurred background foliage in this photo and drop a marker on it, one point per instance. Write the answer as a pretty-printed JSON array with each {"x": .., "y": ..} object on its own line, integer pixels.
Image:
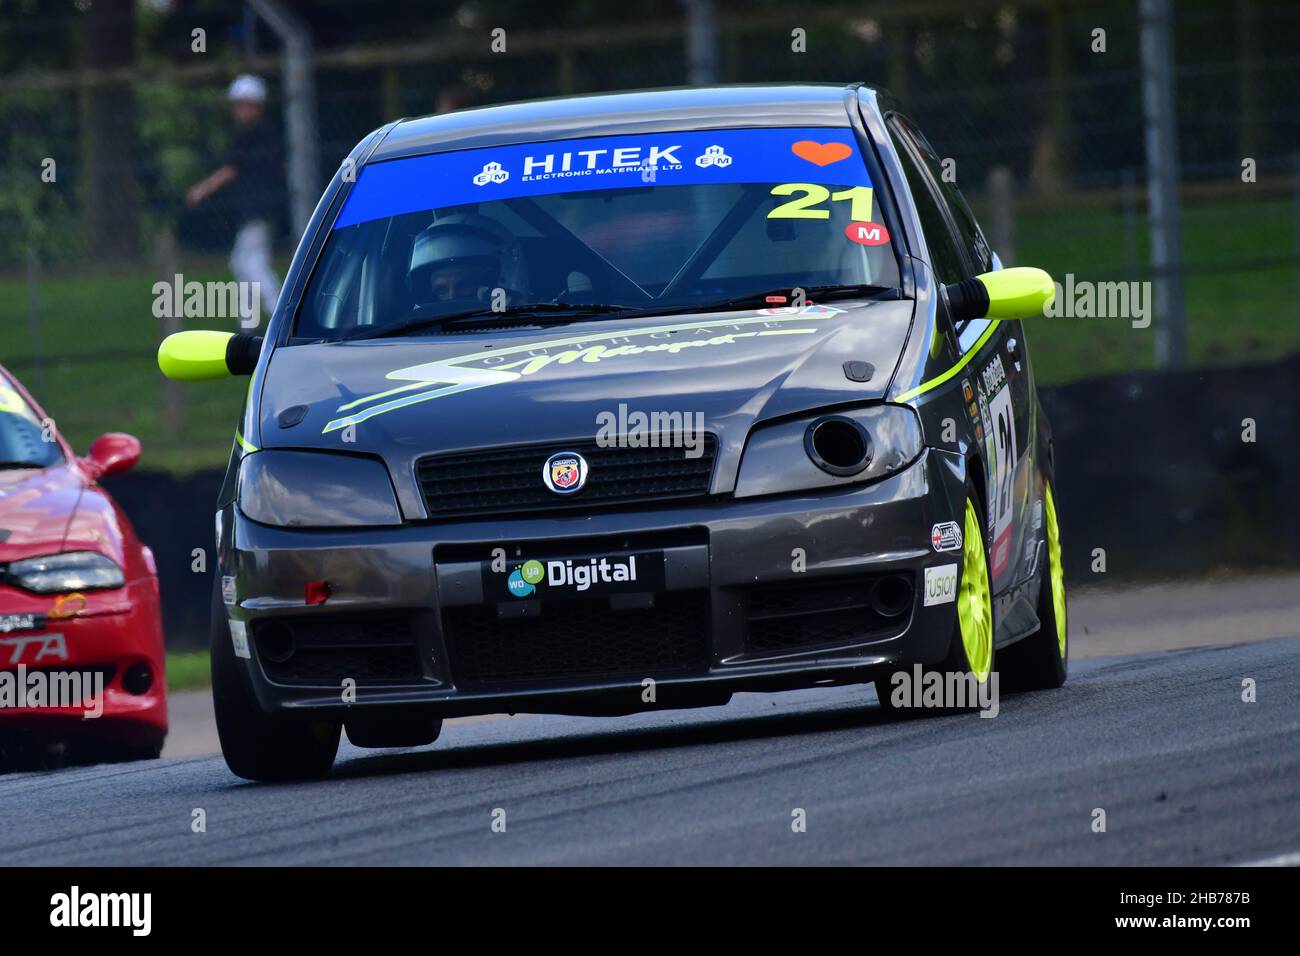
[{"x": 114, "y": 93}]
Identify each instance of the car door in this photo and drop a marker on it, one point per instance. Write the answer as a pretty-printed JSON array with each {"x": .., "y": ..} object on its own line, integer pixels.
[{"x": 999, "y": 374}]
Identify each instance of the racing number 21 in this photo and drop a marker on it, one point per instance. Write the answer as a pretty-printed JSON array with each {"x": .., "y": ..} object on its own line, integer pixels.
[
  {"x": 807, "y": 205},
  {"x": 1006, "y": 442},
  {"x": 1002, "y": 455}
]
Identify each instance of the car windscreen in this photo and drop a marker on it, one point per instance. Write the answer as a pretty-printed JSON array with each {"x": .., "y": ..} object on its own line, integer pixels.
[
  {"x": 674, "y": 221},
  {"x": 25, "y": 442}
]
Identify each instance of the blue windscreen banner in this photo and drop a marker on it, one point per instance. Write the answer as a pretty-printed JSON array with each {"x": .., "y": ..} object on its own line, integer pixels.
[{"x": 772, "y": 155}]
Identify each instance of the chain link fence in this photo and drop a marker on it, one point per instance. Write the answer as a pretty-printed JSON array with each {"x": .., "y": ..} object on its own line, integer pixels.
[{"x": 109, "y": 114}]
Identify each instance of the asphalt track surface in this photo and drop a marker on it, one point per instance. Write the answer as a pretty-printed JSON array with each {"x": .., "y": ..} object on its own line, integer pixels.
[{"x": 1186, "y": 772}]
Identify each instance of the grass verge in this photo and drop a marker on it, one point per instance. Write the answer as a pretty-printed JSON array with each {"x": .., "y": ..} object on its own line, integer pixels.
[{"x": 187, "y": 670}]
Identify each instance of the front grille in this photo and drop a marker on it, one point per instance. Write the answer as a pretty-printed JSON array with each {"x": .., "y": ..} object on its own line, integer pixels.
[
  {"x": 577, "y": 640},
  {"x": 369, "y": 648},
  {"x": 842, "y": 611},
  {"x": 500, "y": 480}
]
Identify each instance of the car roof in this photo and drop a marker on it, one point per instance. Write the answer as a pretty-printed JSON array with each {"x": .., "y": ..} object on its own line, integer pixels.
[{"x": 607, "y": 114}]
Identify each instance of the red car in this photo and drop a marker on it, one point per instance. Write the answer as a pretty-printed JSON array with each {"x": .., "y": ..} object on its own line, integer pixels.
[{"x": 78, "y": 599}]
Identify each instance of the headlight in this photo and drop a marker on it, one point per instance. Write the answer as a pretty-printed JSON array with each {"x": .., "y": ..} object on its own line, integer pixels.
[
  {"x": 301, "y": 489},
  {"x": 73, "y": 571},
  {"x": 861, "y": 444}
]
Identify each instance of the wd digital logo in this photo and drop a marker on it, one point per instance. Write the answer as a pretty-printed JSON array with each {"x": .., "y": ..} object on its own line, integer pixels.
[{"x": 524, "y": 579}]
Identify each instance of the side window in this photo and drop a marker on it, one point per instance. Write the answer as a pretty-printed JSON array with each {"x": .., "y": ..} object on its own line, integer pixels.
[
  {"x": 971, "y": 235},
  {"x": 945, "y": 256}
]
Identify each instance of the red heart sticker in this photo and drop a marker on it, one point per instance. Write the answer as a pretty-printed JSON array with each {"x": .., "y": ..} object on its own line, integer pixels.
[
  {"x": 867, "y": 233},
  {"x": 823, "y": 154}
]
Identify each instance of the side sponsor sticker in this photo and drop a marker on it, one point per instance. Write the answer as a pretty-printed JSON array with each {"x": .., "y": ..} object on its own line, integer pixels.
[
  {"x": 239, "y": 638},
  {"x": 1000, "y": 446},
  {"x": 968, "y": 394},
  {"x": 940, "y": 584},
  {"x": 946, "y": 536}
]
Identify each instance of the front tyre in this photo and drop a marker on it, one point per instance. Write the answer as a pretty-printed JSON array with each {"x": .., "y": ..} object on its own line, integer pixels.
[
  {"x": 970, "y": 649},
  {"x": 257, "y": 745},
  {"x": 1041, "y": 660}
]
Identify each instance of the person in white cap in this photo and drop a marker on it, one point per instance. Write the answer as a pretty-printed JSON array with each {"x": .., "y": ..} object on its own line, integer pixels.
[{"x": 253, "y": 170}]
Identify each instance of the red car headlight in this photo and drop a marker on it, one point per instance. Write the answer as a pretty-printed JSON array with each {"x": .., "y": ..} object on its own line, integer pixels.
[{"x": 70, "y": 571}]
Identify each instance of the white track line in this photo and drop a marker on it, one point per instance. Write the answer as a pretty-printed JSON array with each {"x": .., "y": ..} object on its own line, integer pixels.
[{"x": 1283, "y": 859}]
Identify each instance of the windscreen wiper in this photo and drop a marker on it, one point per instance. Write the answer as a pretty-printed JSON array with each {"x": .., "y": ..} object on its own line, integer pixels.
[
  {"x": 550, "y": 311},
  {"x": 813, "y": 294},
  {"x": 777, "y": 298}
]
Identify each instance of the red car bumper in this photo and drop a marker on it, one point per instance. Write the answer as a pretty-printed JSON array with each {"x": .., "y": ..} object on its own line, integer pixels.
[{"x": 116, "y": 634}]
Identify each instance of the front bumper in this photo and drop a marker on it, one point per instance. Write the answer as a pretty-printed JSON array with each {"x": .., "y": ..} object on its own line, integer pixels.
[
  {"x": 109, "y": 639},
  {"x": 759, "y": 594}
]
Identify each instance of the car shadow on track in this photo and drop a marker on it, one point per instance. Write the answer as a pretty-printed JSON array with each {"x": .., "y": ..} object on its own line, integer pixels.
[{"x": 605, "y": 740}]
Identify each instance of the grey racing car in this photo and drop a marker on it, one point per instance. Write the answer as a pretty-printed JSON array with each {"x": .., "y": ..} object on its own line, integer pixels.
[{"x": 624, "y": 402}]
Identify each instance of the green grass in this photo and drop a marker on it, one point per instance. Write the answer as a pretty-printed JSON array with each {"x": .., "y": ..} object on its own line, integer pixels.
[
  {"x": 187, "y": 670},
  {"x": 99, "y": 337},
  {"x": 1244, "y": 313},
  {"x": 99, "y": 333}
]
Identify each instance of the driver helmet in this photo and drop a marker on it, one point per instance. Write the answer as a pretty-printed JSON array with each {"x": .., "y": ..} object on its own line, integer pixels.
[{"x": 463, "y": 257}]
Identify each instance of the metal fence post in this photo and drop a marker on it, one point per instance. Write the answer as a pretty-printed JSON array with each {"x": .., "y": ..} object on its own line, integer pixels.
[
  {"x": 701, "y": 42},
  {"x": 299, "y": 109},
  {"x": 1160, "y": 119},
  {"x": 1128, "y": 216},
  {"x": 34, "y": 317},
  {"x": 1001, "y": 216},
  {"x": 167, "y": 268},
  {"x": 1295, "y": 185}
]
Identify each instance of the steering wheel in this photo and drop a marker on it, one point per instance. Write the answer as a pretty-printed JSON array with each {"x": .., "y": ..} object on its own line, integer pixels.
[{"x": 423, "y": 310}]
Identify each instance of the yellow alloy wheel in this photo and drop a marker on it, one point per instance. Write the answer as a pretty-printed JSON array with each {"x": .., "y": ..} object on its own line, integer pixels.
[
  {"x": 975, "y": 602},
  {"x": 1055, "y": 571}
]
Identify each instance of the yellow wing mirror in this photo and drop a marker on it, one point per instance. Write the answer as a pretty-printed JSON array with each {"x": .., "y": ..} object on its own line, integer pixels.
[
  {"x": 197, "y": 356},
  {"x": 1019, "y": 293}
]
